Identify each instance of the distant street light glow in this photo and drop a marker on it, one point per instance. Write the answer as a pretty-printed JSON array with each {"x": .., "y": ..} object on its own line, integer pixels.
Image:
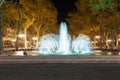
[
  {"x": 109, "y": 40},
  {"x": 96, "y": 41},
  {"x": 13, "y": 40},
  {"x": 118, "y": 39},
  {"x": 21, "y": 35},
  {"x": 34, "y": 38},
  {"x": 97, "y": 37}
]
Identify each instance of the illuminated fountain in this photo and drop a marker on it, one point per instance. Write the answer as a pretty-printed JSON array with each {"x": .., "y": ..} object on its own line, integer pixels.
[{"x": 53, "y": 44}]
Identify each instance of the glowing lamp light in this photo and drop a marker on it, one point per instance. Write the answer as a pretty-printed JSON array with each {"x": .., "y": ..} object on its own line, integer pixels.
[
  {"x": 118, "y": 39},
  {"x": 96, "y": 41},
  {"x": 109, "y": 40},
  {"x": 13, "y": 40},
  {"x": 21, "y": 35},
  {"x": 34, "y": 38},
  {"x": 97, "y": 37}
]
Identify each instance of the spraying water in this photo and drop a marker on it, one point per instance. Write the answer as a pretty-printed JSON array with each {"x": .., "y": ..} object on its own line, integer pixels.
[
  {"x": 53, "y": 44},
  {"x": 64, "y": 39}
]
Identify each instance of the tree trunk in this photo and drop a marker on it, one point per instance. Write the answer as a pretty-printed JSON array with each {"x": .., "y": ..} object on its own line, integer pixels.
[
  {"x": 1, "y": 2},
  {"x": 117, "y": 40},
  {"x": 25, "y": 32},
  {"x": 113, "y": 39},
  {"x": 101, "y": 24},
  {"x": 106, "y": 42},
  {"x": 18, "y": 31},
  {"x": 37, "y": 42},
  {"x": 1, "y": 33}
]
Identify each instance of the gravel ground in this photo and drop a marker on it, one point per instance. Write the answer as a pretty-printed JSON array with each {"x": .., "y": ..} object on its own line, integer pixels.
[{"x": 60, "y": 71}]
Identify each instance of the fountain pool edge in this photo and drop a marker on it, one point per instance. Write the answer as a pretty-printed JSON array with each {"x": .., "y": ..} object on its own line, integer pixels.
[{"x": 58, "y": 59}]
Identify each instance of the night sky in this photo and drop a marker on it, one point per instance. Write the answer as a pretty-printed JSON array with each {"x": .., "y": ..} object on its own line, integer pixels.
[{"x": 63, "y": 8}]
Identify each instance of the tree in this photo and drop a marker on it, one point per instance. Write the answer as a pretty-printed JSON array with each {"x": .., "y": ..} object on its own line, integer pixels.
[
  {"x": 3, "y": 14},
  {"x": 79, "y": 20},
  {"x": 99, "y": 6},
  {"x": 18, "y": 11},
  {"x": 40, "y": 13}
]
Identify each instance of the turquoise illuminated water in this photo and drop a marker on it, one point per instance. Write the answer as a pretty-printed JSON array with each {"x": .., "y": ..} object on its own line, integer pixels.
[
  {"x": 36, "y": 53},
  {"x": 63, "y": 44}
]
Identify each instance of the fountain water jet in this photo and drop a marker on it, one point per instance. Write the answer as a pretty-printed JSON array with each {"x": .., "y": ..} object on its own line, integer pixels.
[
  {"x": 64, "y": 39},
  {"x": 53, "y": 44}
]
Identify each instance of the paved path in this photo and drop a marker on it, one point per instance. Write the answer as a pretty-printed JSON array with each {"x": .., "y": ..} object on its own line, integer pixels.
[
  {"x": 59, "y": 68},
  {"x": 60, "y": 71}
]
